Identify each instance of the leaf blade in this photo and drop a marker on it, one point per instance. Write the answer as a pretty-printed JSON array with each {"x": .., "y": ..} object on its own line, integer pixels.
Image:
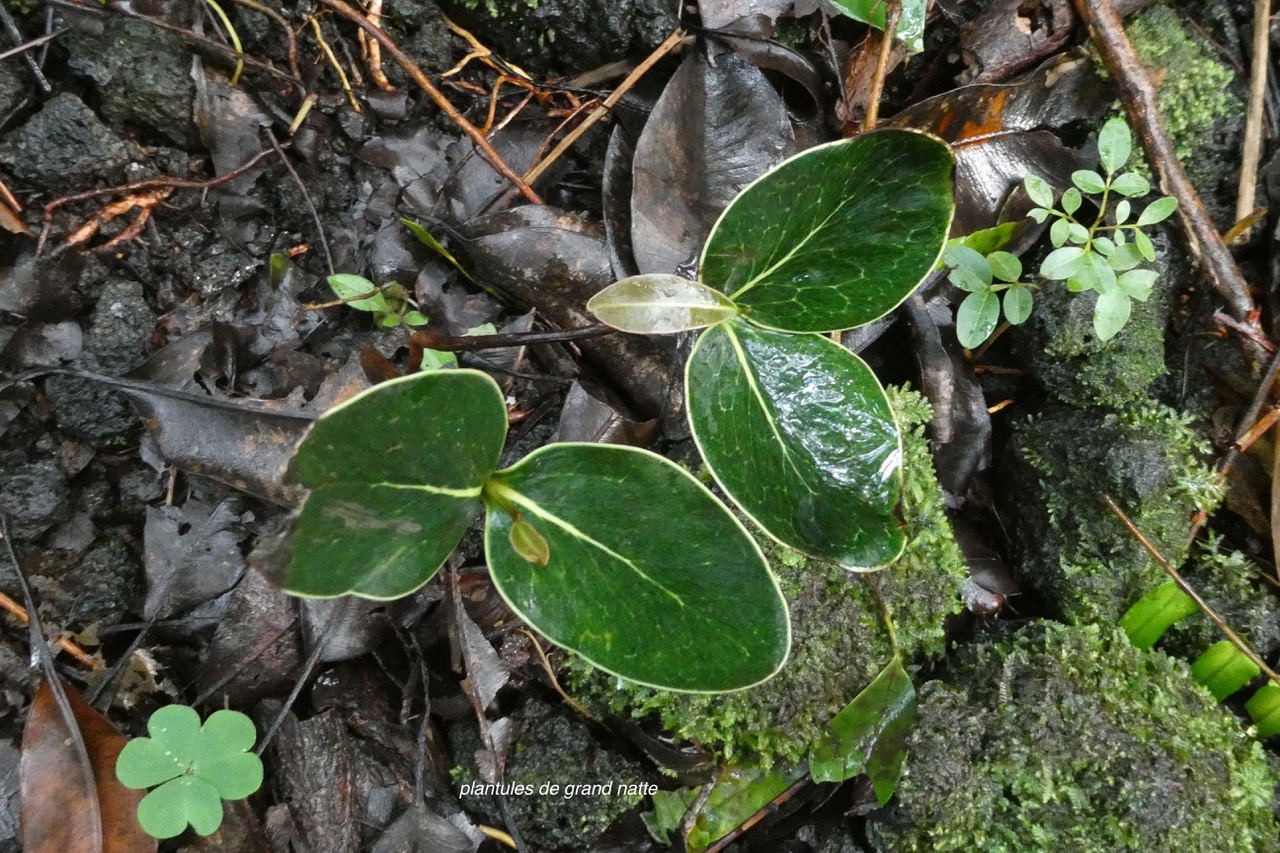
[
  {"x": 660, "y": 304},
  {"x": 798, "y": 432}
]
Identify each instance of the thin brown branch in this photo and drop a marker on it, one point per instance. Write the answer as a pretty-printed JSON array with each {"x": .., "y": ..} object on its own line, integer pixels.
[
  {"x": 1252, "y": 154},
  {"x": 668, "y": 45},
  {"x": 418, "y": 76},
  {"x": 892, "y": 14},
  {"x": 19, "y": 612},
  {"x": 473, "y": 343},
  {"x": 1139, "y": 99},
  {"x": 1190, "y": 592},
  {"x": 153, "y": 183}
]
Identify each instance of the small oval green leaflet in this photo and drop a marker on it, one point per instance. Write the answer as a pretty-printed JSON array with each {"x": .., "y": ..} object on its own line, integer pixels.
[
  {"x": 836, "y": 236},
  {"x": 394, "y": 477},
  {"x": 797, "y": 430},
  {"x": 648, "y": 576},
  {"x": 660, "y": 304}
]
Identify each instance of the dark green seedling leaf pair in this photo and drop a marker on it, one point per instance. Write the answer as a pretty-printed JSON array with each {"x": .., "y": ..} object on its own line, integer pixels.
[
  {"x": 196, "y": 767},
  {"x": 795, "y": 428},
  {"x": 1223, "y": 669},
  {"x": 612, "y": 552}
]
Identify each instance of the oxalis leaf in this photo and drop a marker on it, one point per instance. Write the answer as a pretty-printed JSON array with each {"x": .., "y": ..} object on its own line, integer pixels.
[
  {"x": 395, "y": 476},
  {"x": 797, "y": 430},
  {"x": 660, "y": 304},
  {"x": 647, "y": 576},
  {"x": 869, "y": 734},
  {"x": 837, "y": 236}
]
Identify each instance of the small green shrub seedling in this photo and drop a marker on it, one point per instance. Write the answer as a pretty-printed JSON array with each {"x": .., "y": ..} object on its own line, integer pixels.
[
  {"x": 390, "y": 304},
  {"x": 195, "y": 768},
  {"x": 1103, "y": 256},
  {"x": 616, "y": 553}
]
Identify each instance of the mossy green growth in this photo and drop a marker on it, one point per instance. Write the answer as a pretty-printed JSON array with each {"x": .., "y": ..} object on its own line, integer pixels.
[
  {"x": 498, "y": 8},
  {"x": 1199, "y": 98},
  {"x": 1063, "y": 352},
  {"x": 1068, "y": 738},
  {"x": 1074, "y": 553},
  {"x": 839, "y": 640}
]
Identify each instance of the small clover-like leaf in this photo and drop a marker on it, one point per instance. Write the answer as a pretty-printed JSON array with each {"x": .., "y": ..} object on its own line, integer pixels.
[
  {"x": 1071, "y": 200},
  {"x": 1088, "y": 181},
  {"x": 1005, "y": 266},
  {"x": 1158, "y": 211},
  {"x": 1079, "y": 234},
  {"x": 1115, "y": 143},
  {"x": 167, "y": 754},
  {"x": 1104, "y": 245},
  {"x": 1039, "y": 214},
  {"x": 977, "y": 318},
  {"x": 1039, "y": 190},
  {"x": 1017, "y": 304},
  {"x": 1061, "y": 263},
  {"x": 1122, "y": 214},
  {"x": 1131, "y": 185},
  {"x": 1110, "y": 314},
  {"x": 166, "y": 811}
]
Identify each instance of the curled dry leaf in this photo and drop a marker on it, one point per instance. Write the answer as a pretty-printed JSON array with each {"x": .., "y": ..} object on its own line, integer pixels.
[{"x": 60, "y": 796}]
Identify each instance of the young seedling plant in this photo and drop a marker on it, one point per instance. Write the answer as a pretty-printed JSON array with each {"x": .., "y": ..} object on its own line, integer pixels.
[
  {"x": 192, "y": 768},
  {"x": 1102, "y": 254},
  {"x": 616, "y": 553}
]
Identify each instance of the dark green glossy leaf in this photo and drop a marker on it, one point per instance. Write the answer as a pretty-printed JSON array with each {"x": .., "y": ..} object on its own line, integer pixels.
[
  {"x": 869, "y": 735},
  {"x": 738, "y": 794},
  {"x": 837, "y": 236},
  {"x": 1224, "y": 669},
  {"x": 395, "y": 476},
  {"x": 798, "y": 432},
  {"x": 660, "y": 304},
  {"x": 1147, "y": 620},
  {"x": 649, "y": 577},
  {"x": 910, "y": 23},
  {"x": 1264, "y": 709}
]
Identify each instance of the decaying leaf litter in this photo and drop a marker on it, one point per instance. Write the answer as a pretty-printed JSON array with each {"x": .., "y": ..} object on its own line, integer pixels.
[{"x": 166, "y": 232}]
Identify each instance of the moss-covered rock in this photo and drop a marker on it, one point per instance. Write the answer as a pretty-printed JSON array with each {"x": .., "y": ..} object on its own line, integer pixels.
[
  {"x": 839, "y": 639},
  {"x": 1200, "y": 98},
  {"x": 1070, "y": 550},
  {"x": 1065, "y": 738}
]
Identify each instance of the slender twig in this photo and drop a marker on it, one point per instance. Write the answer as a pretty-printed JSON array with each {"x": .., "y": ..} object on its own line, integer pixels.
[
  {"x": 153, "y": 183},
  {"x": 333, "y": 61},
  {"x": 892, "y": 14},
  {"x": 668, "y": 45},
  {"x": 1190, "y": 592},
  {"x": 1252, "y": 154},
  {"x": 1250, "y": 418},
  {"x": 306, "y": 196},
  {"x": 40, "y": 651},
  {"x": 34, "y": 43},
  {"x": 416, "y": 73},
  {"x": 19, "y": 612},
  {"x": 471, "y": 343},
  {"x": 11, "y": 27},
  {"x": 1139, "y": 99},
  {"x": 760, "y": 814},
  {"x": 551, "y": 676}
]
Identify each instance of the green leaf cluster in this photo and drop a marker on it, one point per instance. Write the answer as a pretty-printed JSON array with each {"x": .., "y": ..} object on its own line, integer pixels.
[
  {"x": 389, "y": 304},
  {"x": 1103, "y": 254},
  {"x": 195, "y": 767},
  {"x": 613, "y": 552}
]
